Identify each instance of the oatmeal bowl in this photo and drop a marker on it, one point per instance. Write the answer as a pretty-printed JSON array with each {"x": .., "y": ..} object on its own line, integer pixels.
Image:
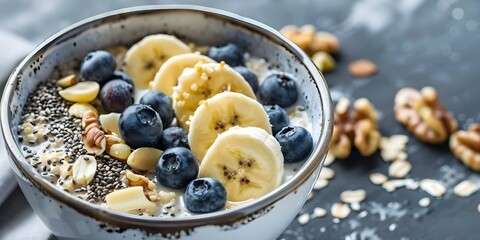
[{"x": 166, "y": 122}]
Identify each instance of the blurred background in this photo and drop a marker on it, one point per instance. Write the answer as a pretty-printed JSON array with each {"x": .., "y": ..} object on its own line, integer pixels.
[{"x": 414, "y": 43}]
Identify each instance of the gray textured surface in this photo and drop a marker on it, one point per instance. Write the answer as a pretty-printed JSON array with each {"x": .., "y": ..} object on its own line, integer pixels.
[{"x": 414, "y": 42}]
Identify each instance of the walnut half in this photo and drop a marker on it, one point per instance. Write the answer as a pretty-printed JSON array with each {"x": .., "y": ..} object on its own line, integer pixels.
[
  {"x": 465, "y": 145},
  {"x": 358, "y": 127},
  {"x": 423, "y": 114}
]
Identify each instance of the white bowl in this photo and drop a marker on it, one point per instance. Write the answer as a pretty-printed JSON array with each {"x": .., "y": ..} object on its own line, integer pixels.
[{"x": 70, "y": 217}]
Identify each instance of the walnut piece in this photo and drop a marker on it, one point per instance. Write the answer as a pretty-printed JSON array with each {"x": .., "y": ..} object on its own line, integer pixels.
[
  {"x": 465, "y": 145},
  {"x": 93, "y": 136},
  {"x": 149, "y": 188},
  {"x": 358, "y": 127},
  {"x": 424, "y": 115}
]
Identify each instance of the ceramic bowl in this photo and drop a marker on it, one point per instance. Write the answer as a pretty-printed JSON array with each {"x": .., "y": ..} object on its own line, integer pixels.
[{"x": 70, "y": 217}]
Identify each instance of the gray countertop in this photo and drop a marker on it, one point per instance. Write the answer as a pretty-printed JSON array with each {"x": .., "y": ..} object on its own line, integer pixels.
[{"x": 413, "y": 42}]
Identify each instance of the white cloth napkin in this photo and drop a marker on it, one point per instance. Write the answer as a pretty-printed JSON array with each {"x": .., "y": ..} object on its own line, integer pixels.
[{"x": 13, "y": 48}]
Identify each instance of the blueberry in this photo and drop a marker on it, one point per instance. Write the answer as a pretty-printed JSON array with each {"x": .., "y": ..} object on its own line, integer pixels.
[
  {"x": 140, "y": 126},
  {"x": 160, "y": 103},
  {"x": 230, "y": 54},
  {"x": 116, "y": 95},
  {"x": 119, "y": 75},
  {"x": 249, "y": 76},
  {"x": 176, "y": 167},
  {"x": 296, "y": 143},
  {"x": 98, "y": 66},
  {"x": 278, "y": 89},
  {"x": 277, "y": 116},
  {"x": 204, "y": 195},
  {"x": 174, "y": 137}
]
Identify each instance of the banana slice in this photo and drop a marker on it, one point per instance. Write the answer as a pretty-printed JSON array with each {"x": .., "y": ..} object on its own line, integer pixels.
[
  {"x": 167, "y": 76},
  {"x": 197, "y": 84},
  {"x": 247, "y": 161},
  {"x": 221, "y": 112},
  {"x": 144, "y": 58}
]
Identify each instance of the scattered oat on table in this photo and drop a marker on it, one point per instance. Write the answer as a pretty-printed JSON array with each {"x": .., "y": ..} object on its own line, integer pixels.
[
  {"x": 465, "y": 188},
  {"x": 432, "y": 187},
  {"x": 393, "y": 148},
  {"x": 340, "y": 210},
  {"x": 362, "y": 68},
  {"x": 319, "y": 212},
  {"x": 310, "y": 195},
  {"x": 424, "y": 202},
  {"x": 378, "y": 178},
  {"x": 329, "y": 159},
  {"x": 353, "y": 196},
  {"x": 355, "y": 206},
  {"x": 399, "y": 169},
  {"x": 304, "y": 218},
  {"x": 320, "y": 183},
  {"x": 327, "y": 173}
]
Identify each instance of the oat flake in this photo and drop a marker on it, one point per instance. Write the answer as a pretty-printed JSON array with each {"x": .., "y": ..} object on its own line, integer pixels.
[
  {"x": 353, "y": 196},
  {"x": 320, "y": 183},
  {"x": 340, "y": 210},
  {"x": 304, "y": 218},
  {"x": 327, "y": 173},
  {"x": 399, "y": 169},
  {"x": 432, "y": 187},
  {"x": 378, "y": 178},
  {"x": 424, "y": 202},
  {"x": 319, "y": 212},
  {"x": 465, "y": 188}
]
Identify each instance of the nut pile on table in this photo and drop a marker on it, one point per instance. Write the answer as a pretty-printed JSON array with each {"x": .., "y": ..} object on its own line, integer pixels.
[{"x": 421, "y": 112}]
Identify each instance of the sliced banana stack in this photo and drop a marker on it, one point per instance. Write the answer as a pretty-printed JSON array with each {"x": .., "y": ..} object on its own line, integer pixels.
[
  {"x": 221, "y": 112},
  {"x": 195, "y": 85},
  {"x": 248, "y": 161},
  {"x": 168, "y": 74},
  {"x": 144, "y": 58}
]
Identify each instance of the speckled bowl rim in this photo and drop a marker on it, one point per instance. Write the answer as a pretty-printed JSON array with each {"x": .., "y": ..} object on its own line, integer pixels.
[{"x": 153, "y": 224}]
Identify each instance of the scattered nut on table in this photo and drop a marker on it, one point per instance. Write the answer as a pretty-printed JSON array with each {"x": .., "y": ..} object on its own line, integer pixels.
[
  {"x": 465, "y": 145},
  {"x": 423, "y": 114},
  {"x": 362, "y": 68},
  {"x": 358, "y": 127},
  {"x": 324, "y": 61},
  {"x": 323, "y": 42},
  {"x": 302, "y": 36},
  {"x": 311, "y": 41}
]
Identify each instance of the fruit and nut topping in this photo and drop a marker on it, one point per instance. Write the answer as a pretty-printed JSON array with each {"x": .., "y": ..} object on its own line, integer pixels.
[{"x": 167, "y": 126}]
